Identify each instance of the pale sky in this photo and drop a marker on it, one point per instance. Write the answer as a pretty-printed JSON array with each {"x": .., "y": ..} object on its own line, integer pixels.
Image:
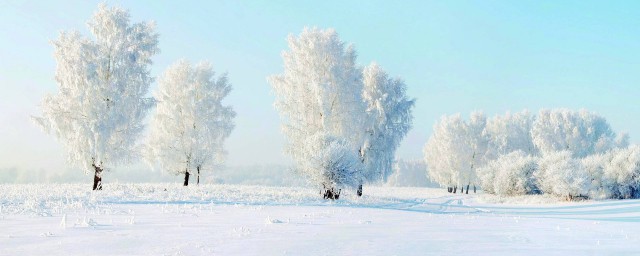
[{"x": 455, "y": 56}]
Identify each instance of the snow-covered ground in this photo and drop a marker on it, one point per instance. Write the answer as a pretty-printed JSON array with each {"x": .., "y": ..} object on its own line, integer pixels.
[{"x": 167, "y": 219}]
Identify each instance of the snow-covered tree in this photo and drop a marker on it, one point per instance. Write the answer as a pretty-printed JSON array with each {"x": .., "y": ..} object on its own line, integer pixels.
[
  {"x": 455, "y": 149},
  {"x": 509, "y": 133},
  {"x": 445, "y": 141},
  {"x": 582, "y": 133},
  {"x": 190, "y": 124},
  {"x": 621, "y": 173},
  {"x": 510, "y": 174},
  {"x": 476, "y": 149},
  {"x": 594, "y": 166},
  {"x": 319, "y": 94},
  {"x": 103, "y": 82},
  {"x": 389, "y": 121},
  {"x": 562, "y": 175}
]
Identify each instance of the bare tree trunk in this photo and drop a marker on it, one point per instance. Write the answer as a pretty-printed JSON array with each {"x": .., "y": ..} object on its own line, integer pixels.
[
  {"x": 462, "y": 189},
  {"x": 328, "y": 194},
  {"x": 359, "y": 190},
  {"x": 474, "y": 189},
  {"x": 332, "y": 194},
  {"x": 97, "y": 178},
  {"x": 198, "y": 182},
  {"x": 186, "y": 178},
  {"x": 449, "y": 189},
  {"x": 467, "y": 188},
  {"x": 455, "y": 189}
]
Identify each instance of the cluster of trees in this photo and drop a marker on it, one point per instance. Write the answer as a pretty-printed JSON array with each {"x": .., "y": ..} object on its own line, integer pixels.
[
  {"x": 343, "y": 123},
  {"x": 614, "y": 174},
  {"x": 99, "y": 112},
  {"x": 572, "y": 154}
]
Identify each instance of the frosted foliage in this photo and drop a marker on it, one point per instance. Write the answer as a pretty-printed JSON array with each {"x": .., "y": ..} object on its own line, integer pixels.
[
  {"x": 562, "y": 175},
  {"x": 582, "y": 133},
  {"x": 99, "y": 110},
  {"x": 509, "y": 133},
  {"x": 510, "y": 174},
  {"x": 621, "y": 173},
  {"x": 331, "y": 162},
  {"x": 444, "y": 141},
  {"x": 477, "y": 142},
  {"x": 389, "y": 120},
  {"x": 190, "y": 124},
  {"x": 593, "y": 165},
  {"x": 622, "y": 140},
  {"x": 455, "y": 149},
  {"x": 319, "y": 92}
]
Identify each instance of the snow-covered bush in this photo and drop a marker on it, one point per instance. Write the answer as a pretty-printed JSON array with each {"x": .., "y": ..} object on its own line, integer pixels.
[
  {"x": 561, "y": 175},
  {"x": 332, "y": 162},
  {"x": 594, "y": 166},
  {"x": 621, "y": 173},
  {"x": 510, "y": 174}
]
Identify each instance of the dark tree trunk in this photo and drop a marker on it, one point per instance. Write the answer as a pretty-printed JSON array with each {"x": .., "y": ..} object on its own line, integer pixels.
[
  {"x": 97, "y": 178},
  {"x": 462, "y": 189},
  {"x": 332, "y": 194},
  {"x": 455, "y": 189},
  {"x": 359, "y": 190},
  {"x": 449, "y": 189},
  {"x": 474, "y": 189},
  {"x": 198, "y": 182},
  {"x": 186, "y": 178},
  {"x": 467, "y": 188}
]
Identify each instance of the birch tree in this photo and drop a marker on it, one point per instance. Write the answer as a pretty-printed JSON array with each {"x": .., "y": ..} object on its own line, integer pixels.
[
  {"x": 98, "y": 111},
  {"x": 389, "y": 121},
  {"x": 190, "y": 124},
  {"x": 455, "y": 150},
  {"x": 319, "y": 97}
]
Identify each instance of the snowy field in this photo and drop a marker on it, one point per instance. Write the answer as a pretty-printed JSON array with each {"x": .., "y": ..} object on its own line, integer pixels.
[{"x": 167, "y": 219}]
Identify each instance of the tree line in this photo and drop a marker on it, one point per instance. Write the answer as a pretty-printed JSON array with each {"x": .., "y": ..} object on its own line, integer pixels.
[
  {"x": 343, "y": 122},
  {"x": 571, "y": 154},
  {"x": 98, "y": 113}
]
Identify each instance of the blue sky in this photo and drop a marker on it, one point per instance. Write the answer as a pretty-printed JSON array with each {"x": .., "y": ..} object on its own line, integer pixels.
[{"x": 455, "y": 56}]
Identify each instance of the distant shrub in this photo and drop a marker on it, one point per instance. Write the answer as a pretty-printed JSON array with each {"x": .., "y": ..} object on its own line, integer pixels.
[
  {"x": 621, "y": 173},
  {"x": 561, "y": 175},
  {"x": 510, "y": 174}
]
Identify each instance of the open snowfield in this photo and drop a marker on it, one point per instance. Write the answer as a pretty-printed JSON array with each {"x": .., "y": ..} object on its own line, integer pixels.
[{"x": 167, "y": 219}]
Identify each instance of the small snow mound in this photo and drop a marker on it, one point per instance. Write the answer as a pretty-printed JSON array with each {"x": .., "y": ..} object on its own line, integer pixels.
[
  {"x": 46, "y": 234},
  {"x": 86, "y": 222},
  {"x": 269, "y": 220}
]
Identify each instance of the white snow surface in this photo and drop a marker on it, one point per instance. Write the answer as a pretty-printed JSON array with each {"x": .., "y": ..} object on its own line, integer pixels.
[{"x": 168, "y": 219}]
